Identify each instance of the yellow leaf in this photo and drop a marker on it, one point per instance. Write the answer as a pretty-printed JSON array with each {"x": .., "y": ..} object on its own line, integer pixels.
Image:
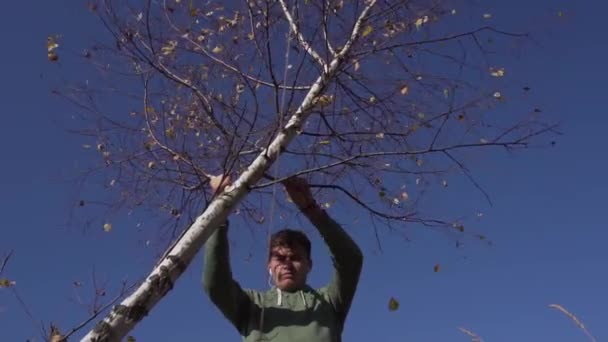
[
  {"x": 169, "y": 48},
  {"x": 497, "y": 72},
  {"x": 130, "y": 339},
  {"x": 404, "y": 90},
  {"x": 170, "y": 132},
  {"x": 324, "y": 142},
  {"x": 367, "y": 30},
  {"x": 107, "y": 227},
  {"x": 217, "y": 49},
  {"x": 393, "y": 304},
  {"x": 325, "y": 100},
  {"x": 421, "y": 21},
  {"x": 5, "y": 283}
]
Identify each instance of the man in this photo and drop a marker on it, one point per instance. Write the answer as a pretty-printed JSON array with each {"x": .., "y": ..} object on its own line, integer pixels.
[{"x": 291, "y": 310}]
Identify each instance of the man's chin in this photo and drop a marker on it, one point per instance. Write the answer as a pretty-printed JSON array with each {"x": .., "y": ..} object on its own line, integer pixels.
[{"x": 288, "y": 285}]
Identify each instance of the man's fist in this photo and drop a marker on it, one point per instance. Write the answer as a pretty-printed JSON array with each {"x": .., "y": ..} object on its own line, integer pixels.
[{"x": 299, "y": 192}]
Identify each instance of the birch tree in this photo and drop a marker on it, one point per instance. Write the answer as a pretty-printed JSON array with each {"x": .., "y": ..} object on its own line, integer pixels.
[{"x": 375, "y": 102}]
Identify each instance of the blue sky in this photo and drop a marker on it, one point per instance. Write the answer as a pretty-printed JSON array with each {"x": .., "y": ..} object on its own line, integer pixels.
[{"x": 546, "y": 224}]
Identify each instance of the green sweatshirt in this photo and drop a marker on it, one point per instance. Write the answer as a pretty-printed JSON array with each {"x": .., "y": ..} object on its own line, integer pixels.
[{"x": 302, "y": 316}]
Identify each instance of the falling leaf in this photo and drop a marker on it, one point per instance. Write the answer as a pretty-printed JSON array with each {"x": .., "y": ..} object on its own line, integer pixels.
[
  {"x": 537, "y": 110},
  {"x": 405, "y": 196},
  {"x": 497, "y": 95},
  {"x": 81, "y": 203},
  {"x": 395, "y": 201},
  {"x": 460, "y": 117},
  {"x": 436, "y": 268},
  {"x": 419, "y": 162},
  {"x": 453, "y": 11},
  {"x": 51, "y": 46},
  {"x": 500, "y": 72},
  {"x": 560, "y": 13},
  {"x": 526, "y": 88},
  {"x": 107, "y": 227},
  {"x": 5, "y": 283},
  {"x": 404, "y": 90},
  {"x": 217, "y": 49},
  {"x": 380, "y": 135},
  {"x": 444, "y": 183},
  {"x": 393, "y": 304},
  {"x": 368, "y": 29},
  {"x": 487, "y": 15},
  {"x": 421, "y": 115}
]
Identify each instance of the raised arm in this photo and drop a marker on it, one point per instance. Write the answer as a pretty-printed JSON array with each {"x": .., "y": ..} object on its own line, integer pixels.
[
  {"x": 218, "y": 282},
  {"x": 346, "y": 255}
]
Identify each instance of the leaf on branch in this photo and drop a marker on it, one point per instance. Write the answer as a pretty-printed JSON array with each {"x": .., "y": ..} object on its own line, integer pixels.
[
  {"x": 6, "y": 283},
  {"x": 169, "y": 48},
  {"x": 404, "y": 90},
  {"x": 170, "y": 132},
  {"x": 151, "y": 165},
  {"x": 393, "y": 304},
  {"x": 421, "y": 21},
  {"x": 368, "y": 29},
  {"x": 217, "y": 49},
  {"x": 325, "y": 100},
  {"x": 107, "y": 227}
]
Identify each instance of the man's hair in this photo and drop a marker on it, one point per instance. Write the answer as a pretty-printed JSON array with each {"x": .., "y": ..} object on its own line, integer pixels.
[{"x": 289, "y": 238}]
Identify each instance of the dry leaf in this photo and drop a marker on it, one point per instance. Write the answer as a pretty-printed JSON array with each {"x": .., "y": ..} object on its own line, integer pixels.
[
  {"x": 393, "y": 304},
  {"x": 107, "y": 227},
  {"x": 367, "y": 30},
  {"x": 404, "y": 90},
  {"x": 436, "y": 268}
]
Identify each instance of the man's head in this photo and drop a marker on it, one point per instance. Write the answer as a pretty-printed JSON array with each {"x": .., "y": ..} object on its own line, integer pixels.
[{"x": 289, "y": 260}]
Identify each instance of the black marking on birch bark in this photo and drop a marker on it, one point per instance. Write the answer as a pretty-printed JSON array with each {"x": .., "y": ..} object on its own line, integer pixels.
[
  {"x": 161, "y": 283},
  {"x": 178, "y": 263},
  {"x": 133, "y": 313},
  {"x": 103, "y": 330}
]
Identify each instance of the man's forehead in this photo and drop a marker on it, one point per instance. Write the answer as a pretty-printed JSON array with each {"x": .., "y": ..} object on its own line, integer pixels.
[{"x": 284, "y": 250}]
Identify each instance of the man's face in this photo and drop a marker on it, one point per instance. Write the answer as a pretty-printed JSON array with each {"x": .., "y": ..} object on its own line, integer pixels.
[{"x": 289, "y": 267}]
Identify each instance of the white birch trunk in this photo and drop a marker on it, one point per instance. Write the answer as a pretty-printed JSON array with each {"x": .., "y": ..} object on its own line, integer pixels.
[{"x": 123, "y": 317}]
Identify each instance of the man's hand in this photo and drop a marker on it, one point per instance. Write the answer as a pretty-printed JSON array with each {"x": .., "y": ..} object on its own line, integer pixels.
[
  {"x": 219, "y": 183},
  {"x": 299, "y": 192}
]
